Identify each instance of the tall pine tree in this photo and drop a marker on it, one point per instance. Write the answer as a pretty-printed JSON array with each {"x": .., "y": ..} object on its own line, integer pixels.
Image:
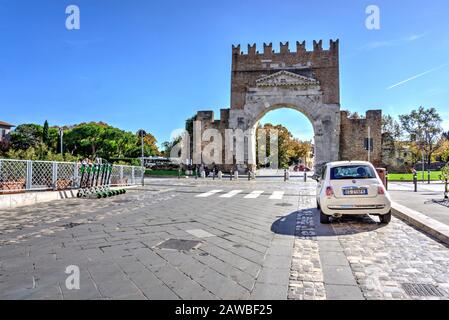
[{"x": 45, "y": 134}]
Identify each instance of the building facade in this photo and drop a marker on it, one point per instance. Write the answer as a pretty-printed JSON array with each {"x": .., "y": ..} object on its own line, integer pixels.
[
  {"x": 5, "y": 129},
  {"x": 307, "y": 81}
]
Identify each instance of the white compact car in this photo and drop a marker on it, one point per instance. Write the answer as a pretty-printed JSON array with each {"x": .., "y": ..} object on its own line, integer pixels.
[{"x": 352, "y": 187}]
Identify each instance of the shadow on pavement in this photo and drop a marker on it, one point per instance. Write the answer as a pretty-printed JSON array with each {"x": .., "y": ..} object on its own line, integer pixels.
[{"x": 343, "y": 226}]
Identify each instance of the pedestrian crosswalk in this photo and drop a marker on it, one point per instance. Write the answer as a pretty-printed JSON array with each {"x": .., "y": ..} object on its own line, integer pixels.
[
  {"x": 277, "y": 195},
  {"x": 254, "y": 194},
  {"x": 249, "y": 194},
  {"x": 208, "y": 194},
  {"x": 230, "y": 194}
]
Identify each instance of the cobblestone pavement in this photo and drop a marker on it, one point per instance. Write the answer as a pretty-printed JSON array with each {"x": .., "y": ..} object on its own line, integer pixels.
[{"x": 249, "y": 240}]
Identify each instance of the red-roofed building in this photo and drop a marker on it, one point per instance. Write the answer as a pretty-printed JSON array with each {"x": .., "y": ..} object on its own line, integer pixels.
[{"x": 5, "y": 128}]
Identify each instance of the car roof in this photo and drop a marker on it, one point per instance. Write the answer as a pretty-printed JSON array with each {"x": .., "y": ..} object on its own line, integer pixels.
[{"x": 348, "y": 163}]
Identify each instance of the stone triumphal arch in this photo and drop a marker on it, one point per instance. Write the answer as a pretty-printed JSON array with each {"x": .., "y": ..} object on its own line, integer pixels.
[{"x": 307, "y": 81}]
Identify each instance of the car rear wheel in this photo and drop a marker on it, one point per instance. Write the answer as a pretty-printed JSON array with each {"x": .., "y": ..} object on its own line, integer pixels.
[
  {"x": 324, "y": 219},
  {"x": 386, "y": 218},
  {"x": 318, "y": 205}
]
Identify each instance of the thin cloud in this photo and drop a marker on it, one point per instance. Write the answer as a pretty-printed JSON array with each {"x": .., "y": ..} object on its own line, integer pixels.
[
  {"x": 417, "y": 76},
  {"x": 391, "y": 43}
]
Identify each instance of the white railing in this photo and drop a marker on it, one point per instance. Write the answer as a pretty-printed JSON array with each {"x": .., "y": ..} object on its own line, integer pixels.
[{"x": 30, "y": 175}]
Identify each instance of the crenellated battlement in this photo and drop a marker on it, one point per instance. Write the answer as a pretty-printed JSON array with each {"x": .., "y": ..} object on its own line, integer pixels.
[
  {"x": 320, "y": 62},
  {"x": 285, "y": 49}
]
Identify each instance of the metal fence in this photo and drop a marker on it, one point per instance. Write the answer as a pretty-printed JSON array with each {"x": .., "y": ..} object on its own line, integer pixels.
[{"x": 29, "y": 175}]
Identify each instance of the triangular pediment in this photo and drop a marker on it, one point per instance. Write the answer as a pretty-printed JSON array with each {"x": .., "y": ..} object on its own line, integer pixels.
[{"x": 286, "y": 79}]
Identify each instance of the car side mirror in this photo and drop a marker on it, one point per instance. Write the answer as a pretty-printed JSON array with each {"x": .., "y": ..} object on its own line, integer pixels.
[{"x": 316, "y": 178}]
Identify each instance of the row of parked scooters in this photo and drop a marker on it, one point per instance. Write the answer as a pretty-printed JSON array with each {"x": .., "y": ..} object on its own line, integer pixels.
[{"x": 95, "y": 181}]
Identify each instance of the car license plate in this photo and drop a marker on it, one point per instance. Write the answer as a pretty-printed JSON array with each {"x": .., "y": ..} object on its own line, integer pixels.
[{"x": 355, "y": 192}]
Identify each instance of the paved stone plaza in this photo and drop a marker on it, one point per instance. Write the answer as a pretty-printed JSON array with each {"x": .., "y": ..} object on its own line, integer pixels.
[{"x": 248, "y": 240}]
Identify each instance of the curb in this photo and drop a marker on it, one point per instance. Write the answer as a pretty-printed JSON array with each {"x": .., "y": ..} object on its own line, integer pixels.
[
  {"x": 422, "y": 222},
  {"x": 9, "y": 201}
]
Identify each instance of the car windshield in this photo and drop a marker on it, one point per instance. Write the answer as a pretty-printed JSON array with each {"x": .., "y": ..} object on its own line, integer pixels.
[{"x": 352, "y": 172}]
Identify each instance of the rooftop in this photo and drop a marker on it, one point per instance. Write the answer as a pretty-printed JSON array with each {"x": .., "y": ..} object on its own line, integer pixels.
[{"x": 6, "y": 124}]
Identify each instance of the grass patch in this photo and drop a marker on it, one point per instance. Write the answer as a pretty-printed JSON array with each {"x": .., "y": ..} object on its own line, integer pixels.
[{"x": 434, "y": 176}]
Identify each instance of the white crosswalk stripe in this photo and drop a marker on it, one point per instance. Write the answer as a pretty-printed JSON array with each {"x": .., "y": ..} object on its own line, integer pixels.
[
  {"x": 208, "y": 194},
  {"x": 230, "y": 194},
  {"x": 277, "y": 195},
  {"x": 253, "y": 195}
]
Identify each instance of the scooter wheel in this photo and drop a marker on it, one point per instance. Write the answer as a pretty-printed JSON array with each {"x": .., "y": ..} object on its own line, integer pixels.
[
  {"x": 78, "y": 195},
  {"x": 98, "y": 195}
]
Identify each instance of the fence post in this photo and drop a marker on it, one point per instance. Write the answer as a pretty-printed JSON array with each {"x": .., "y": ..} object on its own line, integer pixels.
[
  {"x": 54, "y": 175},
  {"x": 76, "y": 181},
  {"x": 133, "y": 178},
  {"x": 121, "y": 175},
  {"x": 29, "y": 175}
]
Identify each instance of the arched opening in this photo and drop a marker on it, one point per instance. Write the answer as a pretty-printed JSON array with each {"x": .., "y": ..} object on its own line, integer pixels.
[{"x": 295, "y": 139}]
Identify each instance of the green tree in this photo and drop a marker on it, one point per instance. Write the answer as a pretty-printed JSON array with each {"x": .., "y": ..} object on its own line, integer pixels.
[
  {"x": 290, "y": 150},
  {"x": 26, "y": 136},
  {"x": 424, "y": 128},
  {"x": 391, "y": 127},
  {"x": 84, "y": 139}
]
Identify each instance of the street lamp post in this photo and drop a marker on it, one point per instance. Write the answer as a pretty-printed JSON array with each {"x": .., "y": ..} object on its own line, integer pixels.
[{"x": 61, "y": 133}]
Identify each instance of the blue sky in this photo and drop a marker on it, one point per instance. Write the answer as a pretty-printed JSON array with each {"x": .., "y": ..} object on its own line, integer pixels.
[{"x": 151, "y": 64}]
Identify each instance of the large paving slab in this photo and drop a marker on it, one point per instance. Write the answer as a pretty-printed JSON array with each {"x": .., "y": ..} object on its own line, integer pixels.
[{"x": 230, "y": 247}]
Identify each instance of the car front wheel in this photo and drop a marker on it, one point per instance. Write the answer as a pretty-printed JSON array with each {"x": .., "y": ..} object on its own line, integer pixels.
[
  {"x": 386, "y": 218},
  {"x": 324, "y": 219}
]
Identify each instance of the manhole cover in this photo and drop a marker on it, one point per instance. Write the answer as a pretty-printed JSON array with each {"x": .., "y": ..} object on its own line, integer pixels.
[
  {"x": 284, "y": 204},
  {"x": 71, "y": 225},
  {"x": 179, "y": 244},
  {"x": 422, "y": 290}
]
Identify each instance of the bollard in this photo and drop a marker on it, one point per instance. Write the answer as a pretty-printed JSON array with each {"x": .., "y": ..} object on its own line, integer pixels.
[
  {"x": 230, "y": 175},
  {"x": 236, "y": 175},
  {"x": 220, "y": 175},
  {"x": 446, "y": 191},
  {"x": 285, "y": 175},
  {"x": 428, "y": 176},
  {"x": 415, "y": 182},
  {"x": 249, "y": 175},
  {"x": 305, "y": 175},
  {"x": 203, "y": 174}
]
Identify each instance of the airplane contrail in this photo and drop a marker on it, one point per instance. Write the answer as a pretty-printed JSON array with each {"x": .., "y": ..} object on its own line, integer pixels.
[{"x": 418, "y": 76}]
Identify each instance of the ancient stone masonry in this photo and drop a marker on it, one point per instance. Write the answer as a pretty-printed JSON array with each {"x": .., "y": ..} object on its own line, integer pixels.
[
  {"x": 321, "y": 65},
  {"x": 307, "y": 81},
  {"x": 353, "y": 135}
]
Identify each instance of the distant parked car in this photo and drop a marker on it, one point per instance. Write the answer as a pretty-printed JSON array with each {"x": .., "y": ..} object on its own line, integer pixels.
[
  {"x": 352, "y": 188},
  {"x": 301, "y": 168}
]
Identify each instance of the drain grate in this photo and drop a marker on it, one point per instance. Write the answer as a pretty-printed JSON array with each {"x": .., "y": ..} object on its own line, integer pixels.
[
  {"x": 422, "y": 290},
  {"x": 179, "y": 244}
]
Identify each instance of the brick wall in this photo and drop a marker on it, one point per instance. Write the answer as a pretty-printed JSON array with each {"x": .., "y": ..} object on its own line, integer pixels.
[
  {"x": 319, "y": 64},
  {"x": 353, "y": 133}
]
